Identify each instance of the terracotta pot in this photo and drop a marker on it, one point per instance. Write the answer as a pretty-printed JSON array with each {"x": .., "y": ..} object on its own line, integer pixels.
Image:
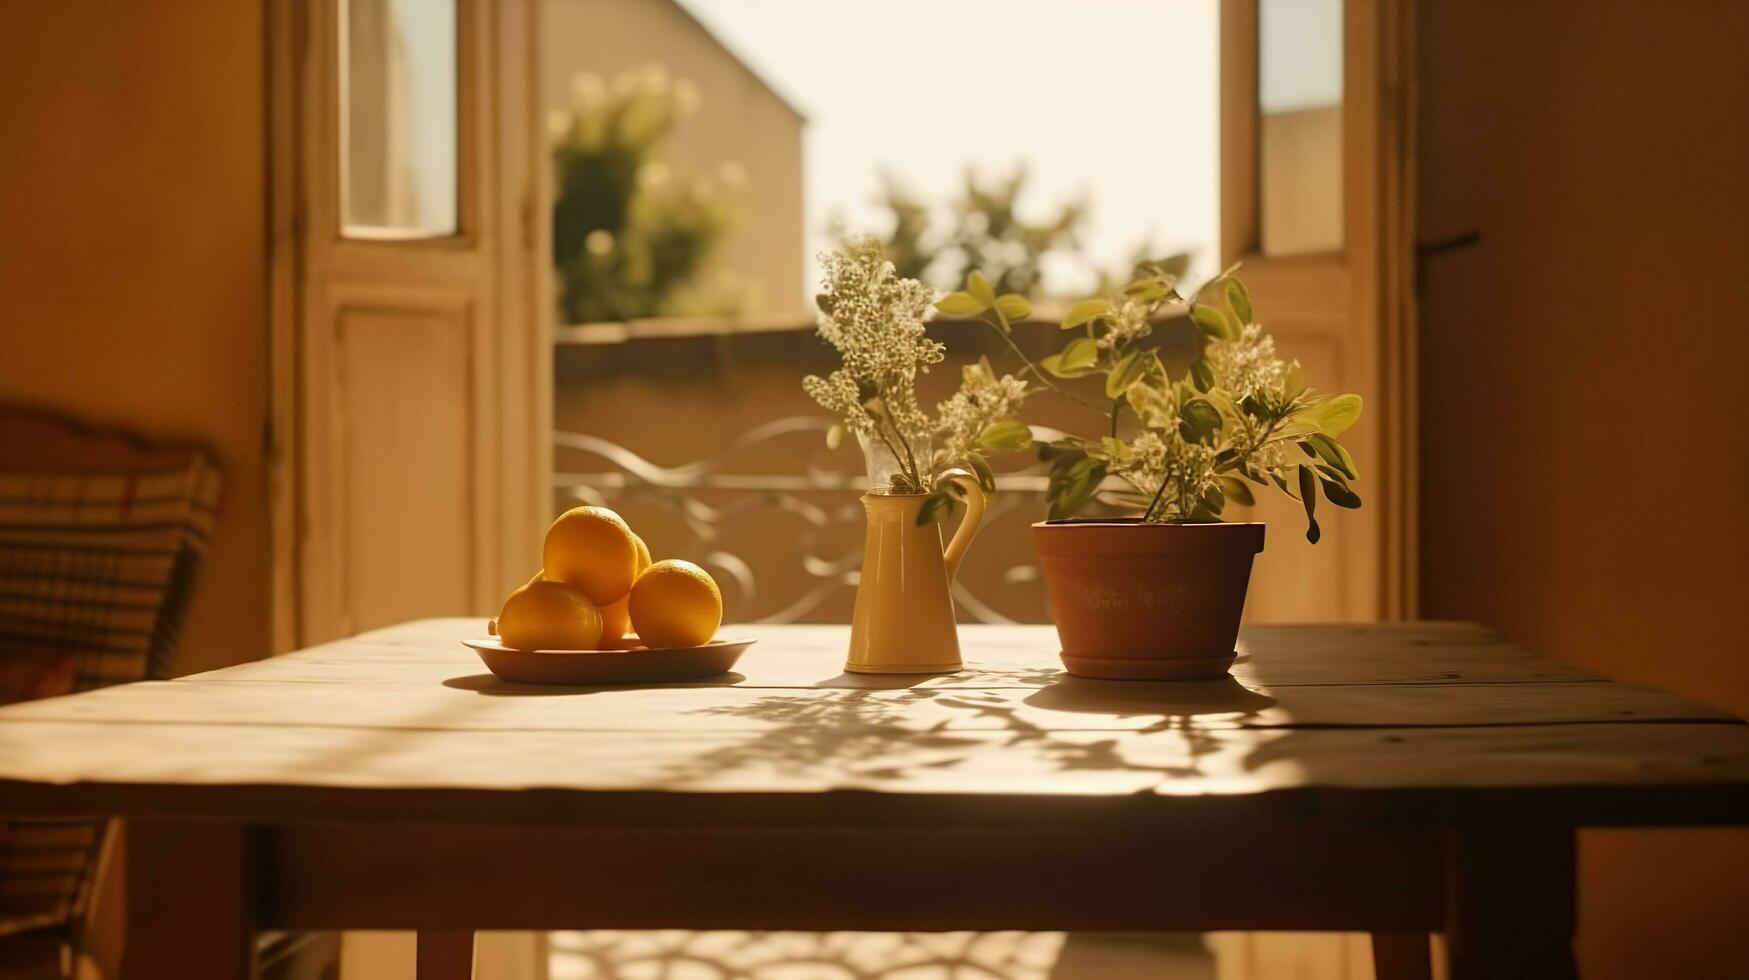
[{"x": 1147, "y": 601}]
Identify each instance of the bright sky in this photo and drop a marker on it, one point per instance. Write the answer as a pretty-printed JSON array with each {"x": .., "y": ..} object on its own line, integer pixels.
[{"x": 1114, "y": 99}]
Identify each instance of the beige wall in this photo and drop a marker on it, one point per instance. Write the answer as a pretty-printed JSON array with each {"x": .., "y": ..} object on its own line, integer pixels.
[
  {"x": 132, "y": 252},
  {"x": 1584, "y": 461},
  {"x": 739, "y": 119}
]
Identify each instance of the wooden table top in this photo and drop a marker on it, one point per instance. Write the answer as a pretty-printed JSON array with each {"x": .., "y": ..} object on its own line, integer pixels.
[{"x": 405, "y": 724}]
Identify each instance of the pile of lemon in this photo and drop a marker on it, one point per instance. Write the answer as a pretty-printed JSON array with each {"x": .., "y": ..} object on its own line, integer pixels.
[{"x": 597, "y": 585}]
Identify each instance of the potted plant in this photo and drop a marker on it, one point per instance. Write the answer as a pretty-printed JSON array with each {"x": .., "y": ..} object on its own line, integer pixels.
[
  {"x": 1158, "y": 594},
  {"x": 918, "y": 465}
]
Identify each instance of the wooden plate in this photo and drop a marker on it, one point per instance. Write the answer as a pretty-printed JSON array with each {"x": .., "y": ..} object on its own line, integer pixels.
[{"x": 628, "y": 664}]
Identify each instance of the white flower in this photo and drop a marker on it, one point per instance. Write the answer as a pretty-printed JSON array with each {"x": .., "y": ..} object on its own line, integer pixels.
[
  {"x": 1186, "y": 469},
  {"x": 838, "y": 393},
  {"x": 982, "y": 399},
  {"x": 1247, "y": 433},
  {"x": 1128, "y": 323},
  {"x": 1143, "y": 465},
  {"x": 1246, "y": 365},
  {"x": 876, "y": 319}
]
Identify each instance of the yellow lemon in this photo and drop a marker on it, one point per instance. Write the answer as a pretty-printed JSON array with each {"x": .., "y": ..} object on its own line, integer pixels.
[
  {"x": 549, "y": 616},
  {"x": 616, "y": 620},
  {"x": 492, "y": 624},
  {"x": 676, "y": 604},
  {"x": 592, "y": 549}
]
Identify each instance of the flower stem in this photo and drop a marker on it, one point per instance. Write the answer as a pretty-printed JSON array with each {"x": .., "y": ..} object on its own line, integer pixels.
[
  {"x": 1148, "y": 515},
  {"x": 1039, "y": 373},
  {"x": 901, "y": 451}
]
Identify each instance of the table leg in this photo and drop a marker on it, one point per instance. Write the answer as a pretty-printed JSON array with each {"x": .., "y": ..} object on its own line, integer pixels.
[
  {"x": 1509, "y": 903},
  {"x": 445, "y": 955},
  {"x": 190, "y": 902}
]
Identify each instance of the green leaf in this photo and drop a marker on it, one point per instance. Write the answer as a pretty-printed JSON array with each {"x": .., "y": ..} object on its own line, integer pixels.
[
  {"x": 1237, "y": 490},
  {"x": 1082, "y": 312},
  {"x": 1201, "y": 375},
  {"x": 1239, "y": 298},
  {"x": 980, "y": 289},
  {"x": 1073, "y": 486},
  {"x": 1212, "y": 502},
  {"x": 1148, "y": 401},
  {"x": 935, "y": 507},
  {"x": 1213, "y": 322},
  {"x": 1013, "y": 306},
  {"x": 1053, "y": 363},
  {"x": 1309, "y": 497},
  {"x": 1332, "y": 452},
  {"x": 1146, "y": 290},
  {"x": 1082, "y": 352},
  {"x": 1061, "y": 455},
  {"x": 1124, "y": 373},
  {"x": 1005, "y": 436},
  {"x": 1171, "y": 267},
  {"x": 1198, "y": 420},
  {"x": 1334, "y": 416},
  {"x": 1294, "y": 381},
  {"x": 1340, "y": 495},
  {"x": 959, "y": 304},
  {"x": 981, "y": 469}
]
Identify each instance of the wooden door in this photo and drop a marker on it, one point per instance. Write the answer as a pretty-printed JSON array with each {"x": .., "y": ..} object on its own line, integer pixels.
[
  {"x": 412, "y": 368},
  {"x": 1315, "y": 202}
]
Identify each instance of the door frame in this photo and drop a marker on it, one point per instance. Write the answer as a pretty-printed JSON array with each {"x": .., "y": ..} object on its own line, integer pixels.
[
  {"x": 1367, "y": 289},
  {"x": 303, "y": 172}
]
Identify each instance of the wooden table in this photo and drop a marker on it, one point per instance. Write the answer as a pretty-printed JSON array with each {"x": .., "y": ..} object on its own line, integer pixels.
[{"x": 1399, "y": 780}]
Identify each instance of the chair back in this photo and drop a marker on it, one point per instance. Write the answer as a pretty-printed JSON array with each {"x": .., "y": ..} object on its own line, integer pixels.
[{"x": 101, "y": 536}]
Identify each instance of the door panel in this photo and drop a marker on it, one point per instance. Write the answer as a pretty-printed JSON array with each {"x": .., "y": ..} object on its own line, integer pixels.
[{"x": 403, "y": 406}]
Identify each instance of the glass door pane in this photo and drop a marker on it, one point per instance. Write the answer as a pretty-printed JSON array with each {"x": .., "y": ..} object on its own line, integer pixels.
[
  {"x": 1299, "y": 123},
  {"x": 398, "y": 107}
]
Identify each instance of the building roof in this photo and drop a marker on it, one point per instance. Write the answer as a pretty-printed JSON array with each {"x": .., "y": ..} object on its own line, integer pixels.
[{"x": 685, "y": 8}]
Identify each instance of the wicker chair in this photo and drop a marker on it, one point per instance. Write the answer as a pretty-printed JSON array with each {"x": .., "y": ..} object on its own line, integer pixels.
[{"x": 101, "y": 535}]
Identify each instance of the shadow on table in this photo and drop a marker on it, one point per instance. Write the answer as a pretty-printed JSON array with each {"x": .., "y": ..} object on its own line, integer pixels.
[
  {"x": 900, "y": 730},
  {"x": 973, "y": 677},
  {"x": 1169, "y": 699}
]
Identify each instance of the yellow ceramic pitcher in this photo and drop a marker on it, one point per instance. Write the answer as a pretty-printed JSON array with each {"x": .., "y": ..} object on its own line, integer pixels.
[{"x": 904, "y": 622}]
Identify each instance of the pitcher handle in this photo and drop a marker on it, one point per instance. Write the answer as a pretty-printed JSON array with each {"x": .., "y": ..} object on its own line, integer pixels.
[{"x": 962, "y": 535}]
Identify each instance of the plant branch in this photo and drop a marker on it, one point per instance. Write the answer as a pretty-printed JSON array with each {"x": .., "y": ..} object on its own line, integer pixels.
[
  {"x": 1038, "y": 372},
  {"x": 1148, "y": 515},
  {"x": 910, "y": 472}
]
